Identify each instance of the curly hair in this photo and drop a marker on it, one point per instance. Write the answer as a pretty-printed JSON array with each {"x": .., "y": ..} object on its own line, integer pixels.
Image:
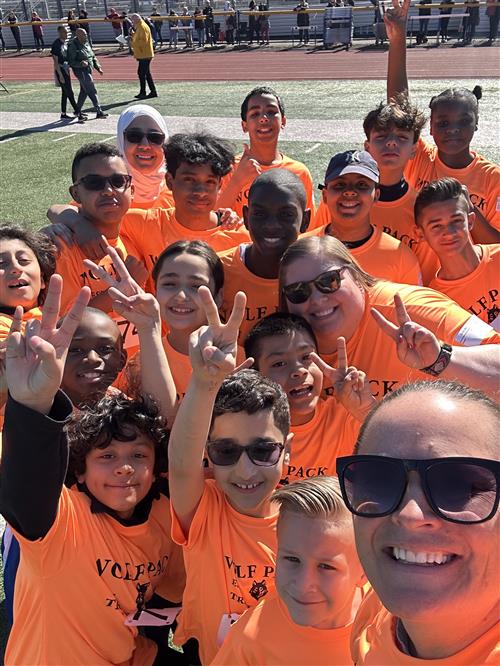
[
  {"x": 42, "y": 247},
  {"x": 115, "y": 417},
  {"x": 261, "y": 90},
  {"x": 199, "y": 148}
]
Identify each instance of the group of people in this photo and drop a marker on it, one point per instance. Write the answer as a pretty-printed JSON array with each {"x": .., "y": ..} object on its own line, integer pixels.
[{"x": 257, "y": 430}]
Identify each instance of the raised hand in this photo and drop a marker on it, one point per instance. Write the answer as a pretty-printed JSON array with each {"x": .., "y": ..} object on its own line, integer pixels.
[
  {"x": 417, "y": 347},
  {"x": 350, "y": 384},
  {"x": 35, "y": 359},
  {"x": 396, "y": 17},
  {"x": 127, "y": 296},
  {"x": 229, "y": 219},
  {"x": 212, "y": 348},
  {"x": 247, "y": 170}
]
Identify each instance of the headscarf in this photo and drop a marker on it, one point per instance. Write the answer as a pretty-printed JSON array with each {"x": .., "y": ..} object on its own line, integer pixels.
[{"x": 146, "y": 187}]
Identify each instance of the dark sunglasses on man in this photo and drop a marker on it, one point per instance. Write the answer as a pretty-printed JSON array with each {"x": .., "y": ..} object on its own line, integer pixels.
[
  {"x": 326, "y": 283},
  {"x": 136, "y": 136},
  {"x": 460, "y": 490},
  {"x": 95, "y": 183}
]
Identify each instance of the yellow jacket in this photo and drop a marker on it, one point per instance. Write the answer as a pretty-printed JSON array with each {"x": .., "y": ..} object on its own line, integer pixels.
[{"x": 142, "y": 42}]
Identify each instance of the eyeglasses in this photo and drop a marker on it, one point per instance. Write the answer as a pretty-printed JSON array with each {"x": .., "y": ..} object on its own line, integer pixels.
[
  {"x": 460, "y": 490},
  {"x": 225, "y": 452},
  {"x": 96, "y": 183},
  {"x": 326, "y": 283},
  {"x": 136, "y": 136}
]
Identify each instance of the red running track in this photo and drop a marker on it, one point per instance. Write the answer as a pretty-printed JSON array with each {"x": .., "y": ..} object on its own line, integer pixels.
[{"x": 275, "y": 64}]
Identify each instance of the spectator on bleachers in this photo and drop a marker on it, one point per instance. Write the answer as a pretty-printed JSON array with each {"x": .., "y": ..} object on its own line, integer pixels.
[
  {"x": 252, "y": 23},
  {"x": 83, "y": 14},
  {"x": 424, "y": 22},
  {"x": 14, "y": 28},
  {"x": 471, "y": 21},
  {"x": 264, "y": 24},
  {"x": 493, "y": 14},
  {"x": 158, "y": 23},
  {"x": 188, "y": 32},
  {"x": 443, "y": 22},
  {"x": 72, "y": 26},
  {"x": 208, "y": 12},
  {"x": 37, "y": 31},
  {"x": 302, "y": 21},
  {"x": 199, "y": 27},
  {"x": 173, "y": 33}
]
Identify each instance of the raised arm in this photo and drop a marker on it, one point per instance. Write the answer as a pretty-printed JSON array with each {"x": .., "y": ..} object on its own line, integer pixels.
[
  {"x": 142, "y": 310},
  {"x": 35, "y": 452},
  {"x": 418, "y": 347},
  {"x": 212, "y": 351},
  {"x": 241, "y": 178},
  {"x": 395, "y": 20}
]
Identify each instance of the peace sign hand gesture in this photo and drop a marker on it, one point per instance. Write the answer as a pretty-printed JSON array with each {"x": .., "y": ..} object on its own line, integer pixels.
[
  {"x": 351, "y": 387},
  {"x": 395, "y": 19},
  {"x": 417, "y": 347},
  {"x": 35, "y": 359},
  {"x": 212, "y": 348},
  {"x": 127, "y": 296}
]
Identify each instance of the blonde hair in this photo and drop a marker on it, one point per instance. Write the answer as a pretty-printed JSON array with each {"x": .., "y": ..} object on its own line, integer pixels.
[
  {"x": 328, "y": 246},
  {"x": 319, "y": 497}
]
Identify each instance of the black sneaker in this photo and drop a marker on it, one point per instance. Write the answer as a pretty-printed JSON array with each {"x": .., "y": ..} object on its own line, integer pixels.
[
  {"x": 151, "y": 95},
  {"x": 65, "y": 116},
  {"x": 101, "y": 114},
  {"x": 82, "y": 117},
  {"x": 140, "y": 96}
]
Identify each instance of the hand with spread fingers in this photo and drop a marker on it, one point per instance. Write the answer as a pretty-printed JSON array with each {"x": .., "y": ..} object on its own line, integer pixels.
[
  {"x": 417, "y": 347},
  {"x": 212, "y": 348},
  {"x": 351, "y": 386},
  {"x": 396, "y": 17},
  {"x": 128, "y": 297},
  {"x": 35, "y": 359}
]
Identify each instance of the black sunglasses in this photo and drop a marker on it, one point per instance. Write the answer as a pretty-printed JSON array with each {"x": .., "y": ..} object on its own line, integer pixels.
[
  {"x": 262, "y": 452},
  {"x": 326, "y": 283},
  {"x": 96, "y": 183},
  {"x": 460, "y": 490},
  {"x": 136, "y": 136}
]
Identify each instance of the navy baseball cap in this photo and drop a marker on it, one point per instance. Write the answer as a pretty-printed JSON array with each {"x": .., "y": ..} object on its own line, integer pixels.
[{"x": 352, "y": 161}]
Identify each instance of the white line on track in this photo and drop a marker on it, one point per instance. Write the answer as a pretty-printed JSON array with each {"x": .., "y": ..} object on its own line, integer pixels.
[
  {"x": 12, "y": 138},
  {"x": 313, "y": 147},
  {"x": 61, "y": 138},
  {"x": 109, "y": 138}
]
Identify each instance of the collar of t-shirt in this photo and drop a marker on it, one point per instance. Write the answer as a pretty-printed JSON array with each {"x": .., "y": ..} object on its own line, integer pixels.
[
  {"x": 393, "y": 192},
  {"x": 352, "y": 245},
  {"x": 403, "y": 641},
  {"x": 7, "y": 310},
  {"x": 141, "y": 511}
]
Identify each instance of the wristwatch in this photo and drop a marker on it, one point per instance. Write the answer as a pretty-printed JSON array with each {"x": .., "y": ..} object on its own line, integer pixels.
[{"x": 442, "y": 361}]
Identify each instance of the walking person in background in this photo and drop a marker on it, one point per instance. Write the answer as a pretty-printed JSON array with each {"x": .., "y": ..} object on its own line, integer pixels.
[
  {"x": 493, "y": 13},
  {"x": 126, "y": 27},
  {"x": 443, "y": 22},
  {"x": 58, "y": 52},
  {"x": 142, "y": 47},
  {"x": 82, "y": 61},
  {"x": 199, "y": 27},
  {"x": 83, "y": 23},
  {"x": 303, "y": 21},
  {"x": 37, "y": 31},
  {"x": 14, "y": 28},
  {"x": 71, "y": 22}
]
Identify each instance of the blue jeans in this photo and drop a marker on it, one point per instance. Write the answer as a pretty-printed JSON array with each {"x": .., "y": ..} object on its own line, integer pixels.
[
  {"x": 87, "y": 89},
  {"x": 201, "y": 36}
]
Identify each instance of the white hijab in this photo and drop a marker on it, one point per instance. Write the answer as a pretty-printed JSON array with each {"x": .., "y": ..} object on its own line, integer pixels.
[{"x": 146, "y": 187}]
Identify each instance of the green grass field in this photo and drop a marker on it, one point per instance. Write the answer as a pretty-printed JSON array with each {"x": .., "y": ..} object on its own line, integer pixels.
[{"x": 35, "y": 168}]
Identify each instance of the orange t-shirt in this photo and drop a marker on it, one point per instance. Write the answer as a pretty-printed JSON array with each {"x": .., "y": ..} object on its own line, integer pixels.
[
  {"x": 482, "y": 178},
  {"x": 479, "y": 291},
  {"x": 75, "y": 276},
  {"x": 76, "y": 586},
  {"x": 397, "y": 219},
  {"x": 298, "y": 168},
  {"x": 230, "y": 561},
  {"x": 153, "y": 231},
  {"x": 384, "y": 257},
  {"x": 372, "y": 351},
  {"x": 331, "y": 433},
  {"x": 266, "y": 635},
  {"x": 262, "y": 294},
  {"x": 164, "y": 200},
  {"x": 374, "y": 642}
]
